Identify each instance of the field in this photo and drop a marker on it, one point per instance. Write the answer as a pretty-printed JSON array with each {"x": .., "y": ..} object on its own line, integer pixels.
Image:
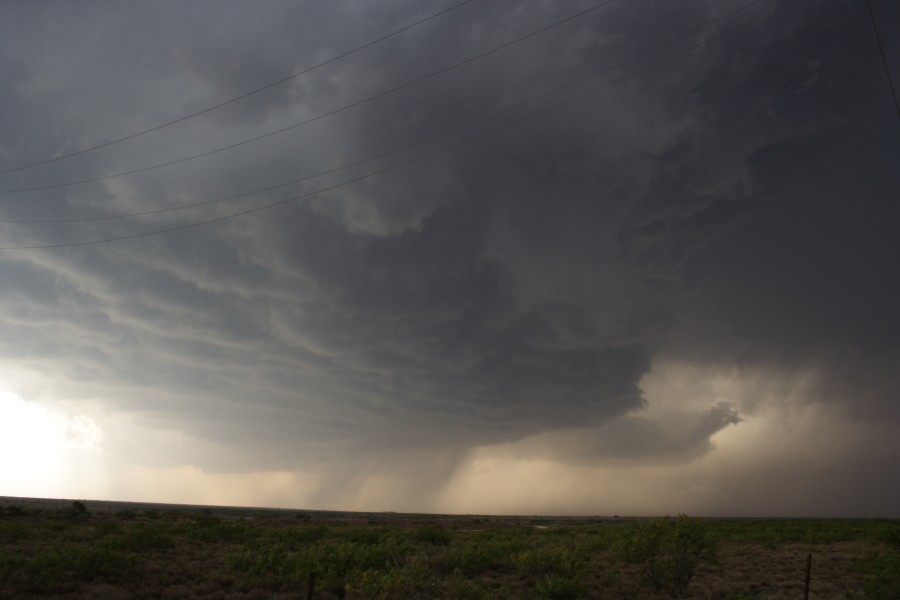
[{"x": 66, "y": 549}]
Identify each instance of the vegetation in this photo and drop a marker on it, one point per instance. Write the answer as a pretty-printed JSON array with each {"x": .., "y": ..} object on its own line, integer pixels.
[
  {"x": 114, "y": 552},
  {"x": 669, "y": 552}
]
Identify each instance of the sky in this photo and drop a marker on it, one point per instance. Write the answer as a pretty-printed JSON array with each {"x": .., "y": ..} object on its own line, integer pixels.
[{"x": 521, "y": 257}]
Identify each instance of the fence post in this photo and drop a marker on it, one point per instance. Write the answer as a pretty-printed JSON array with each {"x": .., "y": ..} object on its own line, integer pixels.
[
  {"x": 310, "y": 586},
  {"x": 806, "y": 580}
]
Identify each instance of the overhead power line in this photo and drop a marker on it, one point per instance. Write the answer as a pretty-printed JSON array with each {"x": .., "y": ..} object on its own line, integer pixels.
[
  {"x": 242, "y": 96},
  {"x": 887, "y": 69},
  {"x": 421, "y": 141},
  {"x": 326, "y": 114},
  {"x": 412, "y": 160}
]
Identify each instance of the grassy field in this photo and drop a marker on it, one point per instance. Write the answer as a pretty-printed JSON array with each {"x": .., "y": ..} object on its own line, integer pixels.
[{"x": 118, "y": 550}]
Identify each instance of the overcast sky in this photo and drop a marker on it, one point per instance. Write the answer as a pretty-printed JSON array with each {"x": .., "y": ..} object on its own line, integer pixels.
[{"x": 641, "y": 262}]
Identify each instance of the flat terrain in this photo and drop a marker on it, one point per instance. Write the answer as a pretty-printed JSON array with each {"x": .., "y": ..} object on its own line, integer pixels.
[{"x": 92, "y": 549}]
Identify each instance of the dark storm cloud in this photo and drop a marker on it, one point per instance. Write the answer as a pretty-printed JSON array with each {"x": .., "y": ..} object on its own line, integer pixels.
[
  {"x": 808, "y": 276},
  {"x": 521, "y": 285}
]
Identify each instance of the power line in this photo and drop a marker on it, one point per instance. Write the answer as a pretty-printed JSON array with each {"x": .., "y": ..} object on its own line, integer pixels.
[
  {"x": 326, "y": 114},
  {"x": 403, "y": 163},
  {"x": 242, "y": 96},
  {"x": 887, "y": 70},
  {"x": 418, "y": 142}
]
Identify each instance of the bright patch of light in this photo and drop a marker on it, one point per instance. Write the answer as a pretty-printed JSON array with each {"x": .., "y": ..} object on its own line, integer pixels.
[{"x": 43, "y": 450}]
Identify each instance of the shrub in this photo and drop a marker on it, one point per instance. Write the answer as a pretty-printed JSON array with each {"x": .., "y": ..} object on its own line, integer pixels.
[
  {"x": 411, "y": 581},
  {"x": 12, "y": 511},
  {"x": 470, "y": 560},
  {"x": 365, "y": 535},
  {"x": 90, "y": 563},
  {"x": 141, "y": 538},
  {"x": 884, "y": 581},
  {"x": 549, "y": 561},
  {"x": 298, "y": 536},
  {"x": 11, "y": 566},
  {"x": 461, "y": 588},
  {"x": 559, "y": 588},
  {"x": 212, "y": 530},
  {"x": 431, "y": 535},
  {"x": 57, "y": 567},
  {"x": 107, "y": 528},
  {"x": 891, "y": 537},
  {"x": 271, "y": 567},
  {"x": 77, "y": 511},
  {"x": 11, "y": 533},
  {"x": 668, "y": 551}
]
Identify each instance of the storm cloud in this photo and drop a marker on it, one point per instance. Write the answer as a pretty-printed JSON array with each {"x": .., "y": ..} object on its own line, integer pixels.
[{"x": 677, "y": 281}]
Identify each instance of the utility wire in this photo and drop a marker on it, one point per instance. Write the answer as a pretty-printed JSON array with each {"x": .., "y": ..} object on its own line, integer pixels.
[
  {"x": 326, "y": 114},
  {"x": 403, "y": 163},
  {"x": 418, "y": 142},
  {"x": 242, "y": 96},
  {"x": 887, "y": 70}
]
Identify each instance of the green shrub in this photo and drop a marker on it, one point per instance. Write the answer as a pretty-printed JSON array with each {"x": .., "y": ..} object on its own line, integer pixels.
[
  {"x": 459, "y": 587},
  {"x": 884, "y": 581},
  {"x": 210, "y": 529},
  {"x": 549, "y": 561},
  {"x": 364, "y": 535},
  {"x": 11, "y": 533},
  {"x": 271, "y": 567},
  {"x": 144, "y": 537},
  {"x": 89, "y": 563},
  {"x": 54, "y": 567},
  {"x": 412, "y": 581},
  {"x": 11, "y": 565},
  {"x": 472, "y": 559},
  {"x": 107, "y": 528},
  {"x": 346, "y": 556},
  {"x": 891, "y": 537},
  {"x": 12, "y": 510},
  {"x": 76, "y": 511},
  {"x": 298, "y": 536},
  {"x": 430, "y": 534},
  {"x": 668, "y": 551},
  {"x": 559, "y": 588}
]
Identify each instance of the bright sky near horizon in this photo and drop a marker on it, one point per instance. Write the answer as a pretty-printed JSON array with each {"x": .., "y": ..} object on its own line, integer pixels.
[{"x": 521, "y": 257}]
